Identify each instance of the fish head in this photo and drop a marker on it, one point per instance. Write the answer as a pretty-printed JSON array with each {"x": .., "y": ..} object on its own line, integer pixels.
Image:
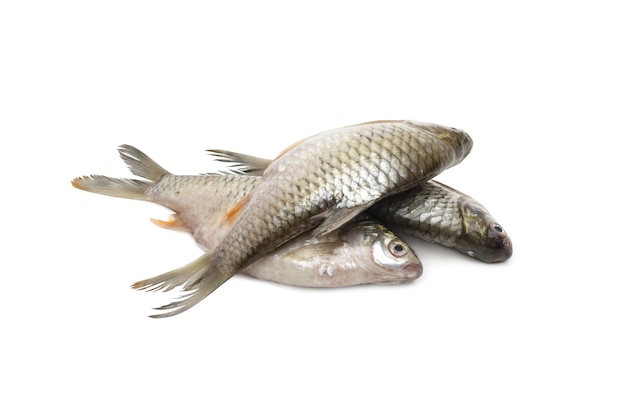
[
  {"x": 483, "y": 238},
  {"x": 381, "y": 253},
  {"x": 457, "y": 139}
]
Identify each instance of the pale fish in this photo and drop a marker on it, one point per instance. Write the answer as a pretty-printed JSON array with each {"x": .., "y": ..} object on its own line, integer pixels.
[{"x": 362, "y": 251}]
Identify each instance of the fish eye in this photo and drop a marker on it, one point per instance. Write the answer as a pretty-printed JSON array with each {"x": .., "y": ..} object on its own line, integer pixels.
[
  {"x": 397, "y": 248},
  {"x": 498, "y": 228}
]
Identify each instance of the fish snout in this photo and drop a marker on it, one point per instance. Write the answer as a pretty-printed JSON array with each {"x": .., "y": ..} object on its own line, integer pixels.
[
  {"x": 501, "y": 248},
  {"x": 412, "y": 271}
]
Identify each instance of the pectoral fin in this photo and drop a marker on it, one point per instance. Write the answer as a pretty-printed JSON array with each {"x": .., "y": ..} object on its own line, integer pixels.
[
  {"x": 232, "y": 214},
  {"x": 336, "y": 218}
]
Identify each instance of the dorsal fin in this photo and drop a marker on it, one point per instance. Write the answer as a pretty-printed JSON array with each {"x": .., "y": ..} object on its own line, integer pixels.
[
  {"x": 290, "y": 147},
  {"x": 241, "y": 163},
  {"x": 248, "y": 164}
]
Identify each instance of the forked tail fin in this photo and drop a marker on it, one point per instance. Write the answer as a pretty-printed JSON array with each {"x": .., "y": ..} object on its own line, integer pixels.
[
  {"x": 114, "y": 187},
  {"x": 139, "y": 164},
  {"x": 198, "y": 279}
]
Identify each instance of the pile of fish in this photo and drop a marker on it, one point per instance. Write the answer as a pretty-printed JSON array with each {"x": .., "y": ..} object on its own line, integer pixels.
[{"x": 318, "y": 214}]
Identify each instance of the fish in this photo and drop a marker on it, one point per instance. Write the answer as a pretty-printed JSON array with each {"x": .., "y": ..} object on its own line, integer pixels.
[
  {"x": 431, "y": 211},
  {"x": 361, "y": 252},
  {"x": 440, "y": 214},
  {"x": 320, "y": 184},
  {"x": 324, "y": 181}
]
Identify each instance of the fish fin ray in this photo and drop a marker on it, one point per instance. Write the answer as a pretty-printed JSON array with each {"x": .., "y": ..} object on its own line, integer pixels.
[
  {"x": 241, "y": 163},
  {"x": 141, "y": 164},
  {"x": 198, "y": 279},
  {"x": 374, "y": 122},
  {"x": 232, "y": 214},
  {"x": 114, "y": 187},
  {"x": 290, "y": 147},
  {"x": 334, "y": 219}
]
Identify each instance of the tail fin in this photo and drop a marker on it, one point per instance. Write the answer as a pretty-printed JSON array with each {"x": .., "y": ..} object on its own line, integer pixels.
[
  {"x": 139, "y": 164},
  {"x": 199, "y": 278},
  {"x": 114, "y": 187}
]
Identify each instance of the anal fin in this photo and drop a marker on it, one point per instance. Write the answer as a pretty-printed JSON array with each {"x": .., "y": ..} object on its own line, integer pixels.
[{"x": 173, "y": 223}]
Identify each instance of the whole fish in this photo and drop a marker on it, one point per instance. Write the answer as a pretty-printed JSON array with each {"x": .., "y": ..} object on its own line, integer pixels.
[
  {"x": 431, "y": 211},
  {"x": 361, "y": 252},
  {"x": 321, "y": 183}
]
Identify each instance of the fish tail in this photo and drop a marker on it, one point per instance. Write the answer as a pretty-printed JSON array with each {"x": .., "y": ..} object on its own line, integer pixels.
[
  {"x": 114, "y": 187},
  {"x": 197, "y": 279},
  {"x": 139, "y": 164}
]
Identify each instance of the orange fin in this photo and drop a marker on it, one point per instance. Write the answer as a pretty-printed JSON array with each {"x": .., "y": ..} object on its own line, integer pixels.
[
  {"x": 232, "y": 214},
  {"x": 173, "y": 223}
]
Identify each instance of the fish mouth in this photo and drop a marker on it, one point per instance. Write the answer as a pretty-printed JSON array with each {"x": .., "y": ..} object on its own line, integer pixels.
[
  {"x": 405, "y": 274},
  {"x": 412, "y": 272},
  {"x": 499, "y": 252}
]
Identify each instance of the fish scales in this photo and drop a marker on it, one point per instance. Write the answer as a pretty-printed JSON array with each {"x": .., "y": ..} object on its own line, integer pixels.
[
  {"x": 437, "y": 213},
  {"x": 301, "y": 185},
  {"x": 201, "y": 201},
  {"x": 431, "y": 214},
  {"x": 431, "y": 211}
]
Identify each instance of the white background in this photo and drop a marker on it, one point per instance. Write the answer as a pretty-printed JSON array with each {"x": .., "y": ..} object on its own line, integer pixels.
[{"x": 539, "y": 87}]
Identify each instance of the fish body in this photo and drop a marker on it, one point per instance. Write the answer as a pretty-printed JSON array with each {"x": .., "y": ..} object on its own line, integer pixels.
[
  {"x": 361, "y": 252},
  {"x": 440, "y": 214},
  {"x": 331, "y": 177},
  {"x": 200, "y": 202}
]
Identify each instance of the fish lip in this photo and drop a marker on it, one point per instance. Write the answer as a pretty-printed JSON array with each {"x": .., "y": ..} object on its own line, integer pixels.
[
  {"x": 412, "y": 272},
  {"x": 498, "y": 253}
]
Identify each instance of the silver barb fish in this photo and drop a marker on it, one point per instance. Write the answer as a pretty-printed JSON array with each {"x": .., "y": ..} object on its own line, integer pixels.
[{"x": 320, "y": 183}]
